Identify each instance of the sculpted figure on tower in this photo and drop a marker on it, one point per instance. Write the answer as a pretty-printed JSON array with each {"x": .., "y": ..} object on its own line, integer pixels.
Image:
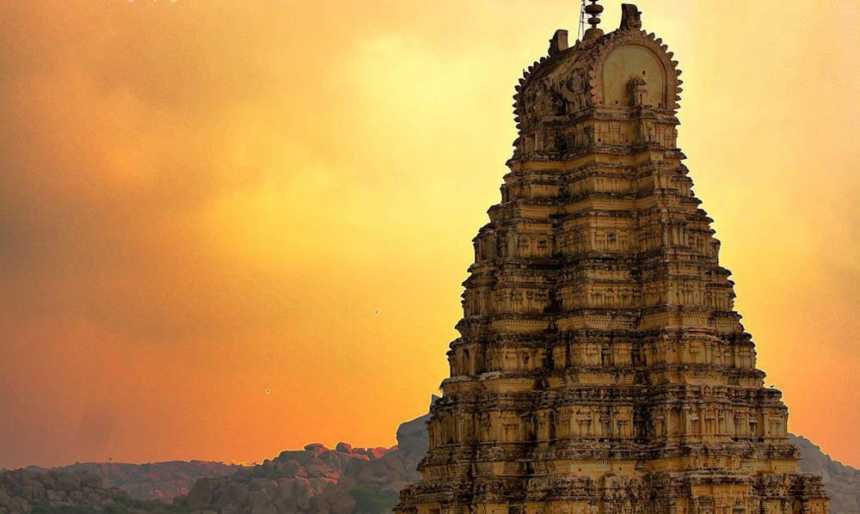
[{"x": 601, "y": 367}]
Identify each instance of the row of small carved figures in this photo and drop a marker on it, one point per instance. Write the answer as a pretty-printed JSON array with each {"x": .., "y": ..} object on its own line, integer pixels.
[
  {"x": 613, "y": 488},
  {"x": 529, "y": 455},
  {"x": 663, "y": 394}
]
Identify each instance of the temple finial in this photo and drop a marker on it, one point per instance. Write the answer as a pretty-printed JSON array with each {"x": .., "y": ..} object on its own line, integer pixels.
[
  {"x": 631, "y": 17},
  {"x": 593, "y": 10}
]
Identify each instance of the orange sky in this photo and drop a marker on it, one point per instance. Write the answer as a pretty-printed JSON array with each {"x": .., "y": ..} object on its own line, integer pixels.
[{"x": 233, "y": 227}]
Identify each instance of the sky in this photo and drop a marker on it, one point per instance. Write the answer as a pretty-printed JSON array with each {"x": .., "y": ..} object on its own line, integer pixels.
[{"x": 230, "y": 228}]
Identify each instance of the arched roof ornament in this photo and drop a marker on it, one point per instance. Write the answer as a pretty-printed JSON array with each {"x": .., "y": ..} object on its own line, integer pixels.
[{"x": 569, "y": 80}]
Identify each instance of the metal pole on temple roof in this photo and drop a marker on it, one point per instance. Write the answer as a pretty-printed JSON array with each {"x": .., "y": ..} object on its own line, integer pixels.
[{"x": 581, "y": 30}]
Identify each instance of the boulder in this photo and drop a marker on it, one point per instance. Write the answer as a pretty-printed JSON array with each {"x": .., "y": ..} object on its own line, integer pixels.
[{"x": 316, "y": 449}]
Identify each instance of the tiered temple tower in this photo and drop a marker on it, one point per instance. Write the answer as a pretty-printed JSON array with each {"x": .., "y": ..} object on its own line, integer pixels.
[{"x": 601, "y": 368}]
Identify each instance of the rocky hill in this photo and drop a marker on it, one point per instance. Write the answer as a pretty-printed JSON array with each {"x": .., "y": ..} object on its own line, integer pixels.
[
  {"x": 156, "y": 481},
  {"x": 842, "y": 482},
  {"x": 317, "y": 480},
  {"x": 27, "y": 491}
]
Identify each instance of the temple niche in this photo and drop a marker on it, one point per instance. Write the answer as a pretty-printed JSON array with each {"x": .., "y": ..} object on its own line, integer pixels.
[
  {"x": 601, "y": 367},
  {"x": 634, "y": 76}
]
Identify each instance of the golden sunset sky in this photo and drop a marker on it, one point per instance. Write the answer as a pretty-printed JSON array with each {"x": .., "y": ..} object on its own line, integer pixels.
[{"x": 232, "y": 227}]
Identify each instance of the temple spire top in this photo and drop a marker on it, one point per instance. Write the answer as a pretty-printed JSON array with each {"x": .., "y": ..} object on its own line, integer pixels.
[{"x": 593, "y": 10}]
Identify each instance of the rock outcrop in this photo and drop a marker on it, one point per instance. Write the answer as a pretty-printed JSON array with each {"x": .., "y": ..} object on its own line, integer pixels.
[
  {"x": 317, "y": 480},
  {"x": 412, "y": 435},
  {"x": 841, "y": 482}
]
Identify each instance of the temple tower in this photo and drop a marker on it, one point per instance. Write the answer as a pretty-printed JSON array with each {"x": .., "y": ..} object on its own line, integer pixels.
[{"x": 601, "y": 367}]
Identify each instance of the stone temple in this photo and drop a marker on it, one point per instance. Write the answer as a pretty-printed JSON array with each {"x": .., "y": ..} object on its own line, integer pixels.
[{"x": 601, "y": 367}]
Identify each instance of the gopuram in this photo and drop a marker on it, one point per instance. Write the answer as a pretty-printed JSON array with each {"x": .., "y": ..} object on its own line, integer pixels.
[{"x": 601, "y": 368}]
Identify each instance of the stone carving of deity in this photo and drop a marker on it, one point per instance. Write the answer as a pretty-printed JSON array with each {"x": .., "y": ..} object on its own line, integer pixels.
[{"x": 573, "y": 91}]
